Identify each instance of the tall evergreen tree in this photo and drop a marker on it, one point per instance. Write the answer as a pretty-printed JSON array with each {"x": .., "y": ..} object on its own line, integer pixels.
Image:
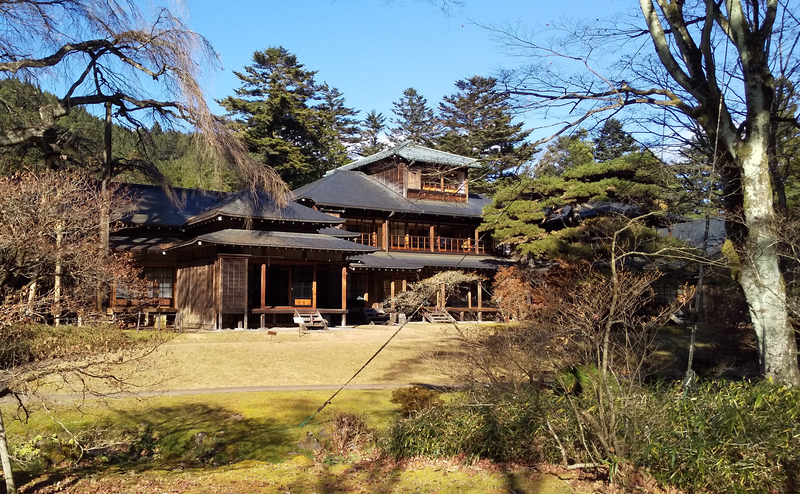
[
  {"x": 371, "y": 128},
  {"x": 612, "y": 141},
  {"x": 415, "y": 121},
  {"x": 289, "y": 121},
  {"x": 478, "y": 123},
  {"x": 337, "y": 126}
]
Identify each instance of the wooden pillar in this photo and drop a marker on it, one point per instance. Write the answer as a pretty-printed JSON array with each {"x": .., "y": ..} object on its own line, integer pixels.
[
  {"x": 432, "y": 238},
  {"x": 289, "y": 288},
  {"x": 263, "y": 288},
  {"x": 314, "y": 286},
  {"x": 477, "y": 239},
  {"x": 441, "y": 297},
  {"x": 480, "y": 300},
  {"x": 393, "y": 292},
  {"x": 469, "y": 296},
  {"x": 344, "y": 294},
  {"x": 385, "y": 233}
]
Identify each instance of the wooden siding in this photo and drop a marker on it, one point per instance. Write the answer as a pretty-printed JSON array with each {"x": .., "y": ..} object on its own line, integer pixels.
[{"x": 195, "y": 296}]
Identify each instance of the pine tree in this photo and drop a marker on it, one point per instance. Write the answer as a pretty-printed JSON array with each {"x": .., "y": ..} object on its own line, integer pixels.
[
  {"x": 371, "y": 128},
  {"x": 564, "y": 154},
  {"x": 612, "y": 141},
  {"x": 286, "y": 118},
  {"x": 415, "y": 121},
  {"x": 478, "y": 123},
  {"x": 337, "y": 128},
  {"x": 546, "y": 214}
]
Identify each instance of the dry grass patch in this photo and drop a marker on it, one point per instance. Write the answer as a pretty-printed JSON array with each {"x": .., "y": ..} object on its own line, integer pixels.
[{"x": 253, "y": 358}]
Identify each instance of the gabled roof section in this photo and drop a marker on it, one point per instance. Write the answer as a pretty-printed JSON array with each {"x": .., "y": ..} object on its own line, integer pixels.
[
  {"x": 410, "y": 152},
  {"x": 352, "y": 189},
  {"x": 151, "y": 205},
  {"x": 261, "y": 206}
]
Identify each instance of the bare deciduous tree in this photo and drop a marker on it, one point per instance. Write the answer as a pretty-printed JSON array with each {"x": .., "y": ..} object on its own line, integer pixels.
[
  {"x": 51, "y": 264},
  {"x": 107, "y": 53}
]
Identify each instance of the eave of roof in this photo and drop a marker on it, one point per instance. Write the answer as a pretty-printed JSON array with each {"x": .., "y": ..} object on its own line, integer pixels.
[
  {"x": 415, "y": 261},
  {"x": 337, "y": 232},
  {"x": 140, "y": 243},
  {"x": 288, "y": 240}
]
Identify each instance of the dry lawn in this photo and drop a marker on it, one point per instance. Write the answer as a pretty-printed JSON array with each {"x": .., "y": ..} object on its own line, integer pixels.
[{"x": 254, "y": 358}]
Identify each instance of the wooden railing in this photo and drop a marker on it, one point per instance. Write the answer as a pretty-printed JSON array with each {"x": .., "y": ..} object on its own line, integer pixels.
[
  {"x": 371, "y": 239},
  {"x": 421, "y": 243},
  {"x": 409, "y": 242}
]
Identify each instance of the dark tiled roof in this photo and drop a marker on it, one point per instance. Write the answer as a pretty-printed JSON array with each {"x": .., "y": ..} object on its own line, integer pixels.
[
  {"x": 245, "y": 205},
  {"x": 357, "y": 190},
  {"x": 257, "y": 238},
  {"x": 142, "y": 243},
  {"x": 152, "y": 206},
  {"x": 417, "y": 261},
  {"x": 692, "y": 233},
  {"x": 410, "y": 152}
]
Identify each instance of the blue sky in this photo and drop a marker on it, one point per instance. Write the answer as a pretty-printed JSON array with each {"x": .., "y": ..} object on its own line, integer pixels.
[{"x": 371, "y": 50}]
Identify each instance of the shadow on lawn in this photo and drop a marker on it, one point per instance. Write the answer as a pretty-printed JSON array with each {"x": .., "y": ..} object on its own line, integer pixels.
[
  {"x": 199, "y": 433},
  {"x": 428, "y": 363},
  {"x": 379, "y": 476}
]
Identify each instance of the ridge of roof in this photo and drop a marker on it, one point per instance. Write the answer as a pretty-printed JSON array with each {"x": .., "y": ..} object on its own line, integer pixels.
[{"x": 411, "y": 152}]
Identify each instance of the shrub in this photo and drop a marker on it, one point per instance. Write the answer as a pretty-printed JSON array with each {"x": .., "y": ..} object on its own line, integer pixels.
[
  {"x": 727, "y": 437},
  {"x": 348, "y": 432},
  {"x": 497, "y": 425},
  {"x": 414, "y": 399}
]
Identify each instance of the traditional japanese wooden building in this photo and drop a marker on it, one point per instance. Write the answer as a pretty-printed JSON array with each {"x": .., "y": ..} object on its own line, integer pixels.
[
  {"x": 413, "y": 205},
  {"x": 355, "y": 237},
  {"x": 226, "y": 260}
]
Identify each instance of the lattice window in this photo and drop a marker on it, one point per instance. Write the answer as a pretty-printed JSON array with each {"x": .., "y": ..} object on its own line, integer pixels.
[{"x": 234, "y": 284}]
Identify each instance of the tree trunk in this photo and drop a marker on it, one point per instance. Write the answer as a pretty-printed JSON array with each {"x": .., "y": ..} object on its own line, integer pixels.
[
  {"x": 58, "y": 274},
  {"x": 761, "y": 277},
  {"x": 6, "y": 460},
  {"x": 105, "y": 216}
]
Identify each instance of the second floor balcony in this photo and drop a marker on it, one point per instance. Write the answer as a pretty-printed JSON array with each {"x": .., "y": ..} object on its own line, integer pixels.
[{"x": 420, "y": 243}]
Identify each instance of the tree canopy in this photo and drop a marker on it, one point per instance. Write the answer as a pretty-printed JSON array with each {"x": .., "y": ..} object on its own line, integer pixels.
[
  {"x": 288, "y": 121},
  {"x": 477, "y": 122},
  {"x": 415, "y": 120},
  {"x": 562, "y": 207}
]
